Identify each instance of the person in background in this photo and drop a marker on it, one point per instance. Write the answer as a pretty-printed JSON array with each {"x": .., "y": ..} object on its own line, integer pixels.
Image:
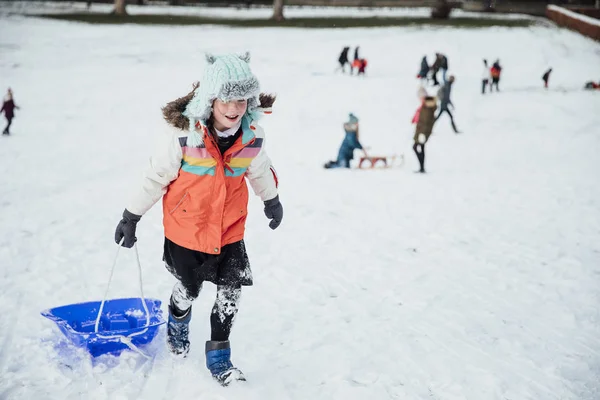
[
  {"x": 443, "y": 66},
  {"x": 485, "y": 76},
  {"x": 356, "y": 58},
  {"x": 495, "y": 72},
  {"x": 424, "y": 118},
  {"x": 424, "y": 70},
  {"x": 349, "y": 144},
  {"x": 362, "y": 65},
  {"x": 445, "y": 101},
  {"x": 343, "y": 60},
  {"x": 8, "y": 108},
  {"x": 546, "y": 78}
]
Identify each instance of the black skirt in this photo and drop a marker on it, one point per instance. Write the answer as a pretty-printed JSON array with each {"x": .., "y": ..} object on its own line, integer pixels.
[{"x": 191, "y": 267}]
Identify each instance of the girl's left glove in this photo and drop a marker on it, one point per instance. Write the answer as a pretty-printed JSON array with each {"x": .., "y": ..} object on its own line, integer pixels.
[{"x": 274, "y": 211}]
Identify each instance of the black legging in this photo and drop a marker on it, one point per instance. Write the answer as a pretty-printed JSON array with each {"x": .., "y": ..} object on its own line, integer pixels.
[
  {"x": 420, "y": 152},
  {"x": 494, "y": 82},
  {"x": 6, "y": 130},
  {"x": 223, "y": 313},
  {"x": 445, "y": 109}
]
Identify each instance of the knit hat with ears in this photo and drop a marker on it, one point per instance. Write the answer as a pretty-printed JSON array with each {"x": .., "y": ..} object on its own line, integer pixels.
[{"x": 226, "y": 78}]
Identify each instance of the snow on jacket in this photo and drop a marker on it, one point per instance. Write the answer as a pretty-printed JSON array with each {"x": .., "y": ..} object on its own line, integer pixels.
[{"x": 205, "y": 196}]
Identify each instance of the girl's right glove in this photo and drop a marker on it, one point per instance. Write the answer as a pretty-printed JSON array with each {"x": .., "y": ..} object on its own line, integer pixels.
[
  {"x": 126, "y": 229},
  {"x": 274, "y": 211}
]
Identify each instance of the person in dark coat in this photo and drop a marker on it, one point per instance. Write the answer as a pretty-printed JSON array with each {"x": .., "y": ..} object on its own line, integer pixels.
[
  {"x": 424, "y": 71},
  {"x": 349, "y": 144},
  {"x": 443, "y": 66},
  {"x": 446, "y": 102},
  {"x": 546, "y": 78},
  {"x": 435, "y": 67},
  {"x": 495, "y": 72},
  {"x": 343, "y": 59},
  {"x": 356, "y": 58},
  {"x": 424, "y": 118},
  {"x": 8, "y": 108}
]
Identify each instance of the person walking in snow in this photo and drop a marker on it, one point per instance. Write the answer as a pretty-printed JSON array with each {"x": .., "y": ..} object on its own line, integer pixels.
[
  {"x": 435, "y": 67},
  {"x": 212, "y": 146},
  {"x": 446, "y": 102},
  {"x": 495, "y": 72},
  {"x": 343, "y": 60},
  {"x": 485, "y": 76},
  {"x": 424, "y": 118},
  {"x": 443, "y": 66},
  {"x": 349, "y": 144},
  {"x": 356, "y": 58},
  {"x": 8, "y": 108},
  {"x": 424, "y": 70},
  {"x": 546, "y": 78}
]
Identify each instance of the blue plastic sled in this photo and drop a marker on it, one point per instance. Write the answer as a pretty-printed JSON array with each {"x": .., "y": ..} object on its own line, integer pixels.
[{"x": 119, "y": 317}]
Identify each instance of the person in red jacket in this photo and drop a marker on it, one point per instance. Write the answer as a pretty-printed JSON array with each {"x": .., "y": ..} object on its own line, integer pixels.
[
  {"x": 495, "y": 73},
  {"x": 8, "y": 108}
]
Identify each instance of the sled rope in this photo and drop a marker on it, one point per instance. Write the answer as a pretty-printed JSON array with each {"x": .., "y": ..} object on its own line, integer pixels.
[{"x": 123, "y": 338}]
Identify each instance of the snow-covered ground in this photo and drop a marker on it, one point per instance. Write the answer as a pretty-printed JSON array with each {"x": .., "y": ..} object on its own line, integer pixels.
[{"x": 479, "y": 280}]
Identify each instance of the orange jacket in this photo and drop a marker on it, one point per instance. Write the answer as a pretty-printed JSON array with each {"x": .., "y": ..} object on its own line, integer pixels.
[{"x": 205, "y": 194}]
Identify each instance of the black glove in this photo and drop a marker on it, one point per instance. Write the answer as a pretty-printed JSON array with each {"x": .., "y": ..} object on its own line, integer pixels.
[
  {"x": 126, "y": 229},
  {"x": 274, "y": 211}
]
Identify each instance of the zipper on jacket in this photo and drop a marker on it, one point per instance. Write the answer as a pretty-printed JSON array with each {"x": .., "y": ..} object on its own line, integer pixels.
[{"x": 179, "y": 203}]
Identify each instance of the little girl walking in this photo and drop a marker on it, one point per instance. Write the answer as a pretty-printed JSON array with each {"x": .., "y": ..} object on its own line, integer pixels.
[{"x": 212, "y": 146}]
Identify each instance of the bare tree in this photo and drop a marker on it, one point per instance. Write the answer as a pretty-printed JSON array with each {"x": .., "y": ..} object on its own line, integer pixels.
[
  {"x": 278, "y": 10},
  {"x": 119, "y": 8}
]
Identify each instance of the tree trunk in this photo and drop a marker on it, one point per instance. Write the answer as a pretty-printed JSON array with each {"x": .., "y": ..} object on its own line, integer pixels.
[
  {"x": 441, "y": 10},
  {"x": 278, "y": 10},
  {"x": 120, "y": 8}
]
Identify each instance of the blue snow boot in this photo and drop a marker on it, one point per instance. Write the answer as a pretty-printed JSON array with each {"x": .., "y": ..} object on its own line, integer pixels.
[
  {"x": 178, "y": 330},
  {"x": 218, "y": 361}
]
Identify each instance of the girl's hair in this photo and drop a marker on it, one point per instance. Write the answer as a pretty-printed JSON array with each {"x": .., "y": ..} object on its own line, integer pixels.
[{"x": 173, "y": 111}]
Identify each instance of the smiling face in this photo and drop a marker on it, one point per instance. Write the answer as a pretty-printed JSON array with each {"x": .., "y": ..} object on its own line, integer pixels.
[{"x": 227, "y": 114}]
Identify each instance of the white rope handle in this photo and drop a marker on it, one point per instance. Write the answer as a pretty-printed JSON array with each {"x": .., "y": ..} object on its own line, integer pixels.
[{"x": 125, "y": 339}]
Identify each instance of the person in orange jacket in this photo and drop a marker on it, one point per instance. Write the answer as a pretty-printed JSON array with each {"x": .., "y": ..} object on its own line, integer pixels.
[
  {"x": 213, "y": 145},
  {"x": 495, "y": 72}
]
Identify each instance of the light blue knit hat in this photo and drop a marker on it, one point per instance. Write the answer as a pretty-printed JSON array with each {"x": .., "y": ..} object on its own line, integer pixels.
[
  {"x": 227, "y": 77},
  {"x": 352, "y": 119}
]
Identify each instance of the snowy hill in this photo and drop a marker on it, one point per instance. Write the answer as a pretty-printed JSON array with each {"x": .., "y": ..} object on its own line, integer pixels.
[{"x": 478, "y": 280}]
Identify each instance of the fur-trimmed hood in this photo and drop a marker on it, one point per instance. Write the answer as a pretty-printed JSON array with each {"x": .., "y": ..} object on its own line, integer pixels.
[{"x": 173, "y": 111}]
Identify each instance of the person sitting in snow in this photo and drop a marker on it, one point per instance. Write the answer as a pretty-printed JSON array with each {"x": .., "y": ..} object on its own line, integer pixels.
[
  {"x": 445, "y": 101},
  {"x": 349, "y": 144},
  {"x": 424, "y": 118},
  {"x": 8, "y": 108},
  {"x": 546, "y": 78},
  {"x": 591, "y": 85},
  {"x": 213, "y": 145}
]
